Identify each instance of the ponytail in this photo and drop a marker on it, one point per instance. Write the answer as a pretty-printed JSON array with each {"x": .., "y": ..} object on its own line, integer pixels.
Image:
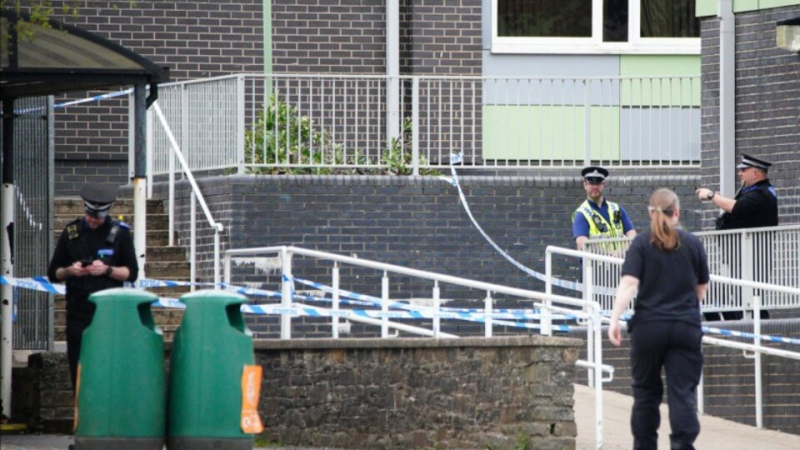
[{"x": 663, "y": 230}]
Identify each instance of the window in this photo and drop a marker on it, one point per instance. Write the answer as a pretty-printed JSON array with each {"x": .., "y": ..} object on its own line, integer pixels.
[{"x": 595, "y": 26}]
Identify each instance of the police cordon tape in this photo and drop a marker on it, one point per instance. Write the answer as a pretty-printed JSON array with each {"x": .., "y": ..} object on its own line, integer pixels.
[
  {"x": 571, "y": 285},
  {"x": 43, "y": 285}
]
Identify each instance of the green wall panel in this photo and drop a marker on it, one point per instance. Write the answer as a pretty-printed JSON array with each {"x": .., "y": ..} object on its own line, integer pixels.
[
  {"x": 549, "y": 132},
  {"x": 706, "y": 8},
  {"x": 660, "y": 92}
]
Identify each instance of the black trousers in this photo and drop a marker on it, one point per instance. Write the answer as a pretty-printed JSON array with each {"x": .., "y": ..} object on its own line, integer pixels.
[
  {"x": 675, "y": 346},
  {"x": 75, "y": 327}
]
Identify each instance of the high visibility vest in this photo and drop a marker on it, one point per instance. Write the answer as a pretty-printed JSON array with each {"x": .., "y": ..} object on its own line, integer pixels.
[{"x": 598, "y": 225}]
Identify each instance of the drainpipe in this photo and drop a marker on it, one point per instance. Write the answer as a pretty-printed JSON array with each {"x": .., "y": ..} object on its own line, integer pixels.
[
  {"x": 727, "y": 98},
  {"x": 392, "y": 70},
  {"x": 7, "y": 266}
]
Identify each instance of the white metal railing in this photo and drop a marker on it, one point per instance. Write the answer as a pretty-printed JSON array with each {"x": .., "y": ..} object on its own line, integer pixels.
[
  {"x": 257, "y": 122},
  {"x": 765, "y": 255},
  {"x": 548, "y": 303},
  {"x": 196, "y": 195},
  {"x": 755, "y": 307}
]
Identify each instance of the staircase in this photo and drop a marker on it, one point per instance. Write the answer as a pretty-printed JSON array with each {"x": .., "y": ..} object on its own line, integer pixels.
[{"x": 163, "y": 262}]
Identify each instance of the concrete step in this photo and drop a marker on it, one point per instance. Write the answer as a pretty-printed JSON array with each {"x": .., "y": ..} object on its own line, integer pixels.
[
  {"x": 154, "y": 221},
  {"x": 166, "y": 254},
  {"x": 167, "y": 270},
  {"x": 155, "y": 238},
  {"x": 74, "y": 206}
]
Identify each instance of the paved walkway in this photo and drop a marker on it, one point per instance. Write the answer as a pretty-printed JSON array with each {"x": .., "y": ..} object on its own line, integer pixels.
[{"x": 716, "y": 433}]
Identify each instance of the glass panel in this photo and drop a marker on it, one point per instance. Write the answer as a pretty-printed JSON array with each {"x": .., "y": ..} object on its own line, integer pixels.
[
  {"x": 544, "y": 18},
  {"x": 615, "y": 21},
  {"x": 669, "y": 19}
]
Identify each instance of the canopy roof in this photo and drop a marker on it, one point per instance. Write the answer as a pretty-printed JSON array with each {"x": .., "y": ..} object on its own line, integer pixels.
[{"x": 63, "y": 58}]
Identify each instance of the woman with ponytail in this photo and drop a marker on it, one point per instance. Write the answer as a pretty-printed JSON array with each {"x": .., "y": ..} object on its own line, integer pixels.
[{"x": 669, "y": 268}]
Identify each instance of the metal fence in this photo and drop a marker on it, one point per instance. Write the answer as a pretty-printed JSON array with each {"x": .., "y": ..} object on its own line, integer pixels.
[
  {"x": 256, "y": 122},
  {"x": 33, "y": 227},
  {"x": 766, "y": 255}
]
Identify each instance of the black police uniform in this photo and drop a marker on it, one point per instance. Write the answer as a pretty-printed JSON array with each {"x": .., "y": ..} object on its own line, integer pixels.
[
  {"x": 756, "y": 206},
  {"x": 112, "y": 243},
  {"x": 666, "y": 332}
]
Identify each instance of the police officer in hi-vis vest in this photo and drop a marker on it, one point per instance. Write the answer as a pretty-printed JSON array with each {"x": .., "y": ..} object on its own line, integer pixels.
[
  {"x": 94, "y": 253},
  {"x": 598, "y": 218}
]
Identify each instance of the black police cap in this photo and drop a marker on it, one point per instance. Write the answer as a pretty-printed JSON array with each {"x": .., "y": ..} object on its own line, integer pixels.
[
  {"x": 594, "y": 173},
  {"x": 98, "y": 197},
  {"x": 749, "y": 161}
]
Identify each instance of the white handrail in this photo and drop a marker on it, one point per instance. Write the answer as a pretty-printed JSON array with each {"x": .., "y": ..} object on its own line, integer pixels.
[
  {"x": 405, "y": 271},
  {"x": 185, "y": 166},
  {"x": 218, "y": 227}
]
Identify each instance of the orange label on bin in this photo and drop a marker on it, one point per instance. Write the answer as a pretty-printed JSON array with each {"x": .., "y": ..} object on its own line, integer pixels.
[
  {"x": 77, "y": 390},
  {"x": 251, "y": 389}
]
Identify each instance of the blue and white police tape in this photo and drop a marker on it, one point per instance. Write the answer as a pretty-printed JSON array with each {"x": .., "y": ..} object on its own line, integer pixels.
[
  {"x": 41, "y": 284},
  {"x": 310, "y": 311},
  {"x": 505, "y": 314},
  {"x": 743, "y": 334},
  {"x": 571, "y": 285}
]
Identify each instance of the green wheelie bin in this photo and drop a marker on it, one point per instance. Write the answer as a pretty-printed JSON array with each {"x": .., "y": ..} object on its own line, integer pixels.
[
  {"x": 213, "y": 382},
  {"x": 121, "y": 398}
]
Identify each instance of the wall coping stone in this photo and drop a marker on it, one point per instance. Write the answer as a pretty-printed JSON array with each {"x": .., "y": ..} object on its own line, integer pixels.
[{"x": 366, "y": 343}]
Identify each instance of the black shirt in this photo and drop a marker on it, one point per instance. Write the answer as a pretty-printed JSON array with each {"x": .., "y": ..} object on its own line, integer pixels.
[
  {"x": 756, "y": 206},
  {"x": 78, "y": 242},
  {"x": 667, "y": 280}
]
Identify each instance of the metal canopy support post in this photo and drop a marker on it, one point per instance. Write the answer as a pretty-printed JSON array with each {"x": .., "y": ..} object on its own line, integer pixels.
[
  {"x": 7, "y": 267},
  {"x": 140, "y": 177}
]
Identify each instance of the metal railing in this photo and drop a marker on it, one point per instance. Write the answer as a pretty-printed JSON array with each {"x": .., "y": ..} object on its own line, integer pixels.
[
  {"x": 257, "y": 122},
  {"x": 547, "y": 302},
  {"x": 196, "y": 194},
  {"x": 755, "y": 306},
  {"x": 764, "y": 255}
]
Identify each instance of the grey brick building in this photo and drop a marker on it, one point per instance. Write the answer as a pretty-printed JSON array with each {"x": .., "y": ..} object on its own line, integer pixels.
[{"x": 767, "y": 103}]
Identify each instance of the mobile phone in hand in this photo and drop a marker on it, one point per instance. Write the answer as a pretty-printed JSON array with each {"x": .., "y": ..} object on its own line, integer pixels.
[{"x": 86, "y": 262}]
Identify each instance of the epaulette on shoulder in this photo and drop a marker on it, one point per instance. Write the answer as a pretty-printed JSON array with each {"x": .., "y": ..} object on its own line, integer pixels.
[
  {"x": 125, "y": 225},
  {"x": 72, "y": 229}
]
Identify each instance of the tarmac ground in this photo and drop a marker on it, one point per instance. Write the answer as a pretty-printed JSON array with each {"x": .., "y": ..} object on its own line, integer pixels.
[{"x": 715, "y": 433}]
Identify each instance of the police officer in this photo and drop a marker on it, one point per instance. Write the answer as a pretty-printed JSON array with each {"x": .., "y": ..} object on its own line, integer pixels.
[
  {"x": 669, "y": 269},
  {"x": 598, "y": 218},
  {"x": 756, "y": 203},
  {"x": 93, "y": 253},
  {"x": 754, "y": 206}
]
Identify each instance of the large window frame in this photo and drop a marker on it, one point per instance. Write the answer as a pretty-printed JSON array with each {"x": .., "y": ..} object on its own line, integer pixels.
[{"x": 595, "y": 45}]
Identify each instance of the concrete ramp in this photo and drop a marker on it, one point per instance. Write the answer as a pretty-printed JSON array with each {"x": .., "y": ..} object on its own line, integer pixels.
[{"x": 715, "y": 433}]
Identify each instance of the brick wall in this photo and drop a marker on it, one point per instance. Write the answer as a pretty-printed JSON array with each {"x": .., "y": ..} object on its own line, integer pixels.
[
  {"x": 767, "y": 92},
  {"x": 193, "y": 38},
  {"x": 437, "y": 37},
  {"x": 440, "y": 37},
  {"x": 414, "y": 222}
]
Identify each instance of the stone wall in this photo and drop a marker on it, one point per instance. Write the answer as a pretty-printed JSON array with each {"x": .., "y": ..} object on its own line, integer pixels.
[
  {"x": 43, "y": 393},
  {"x": 767, "y": 92},
  {"x": 500, "y": 393}
]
